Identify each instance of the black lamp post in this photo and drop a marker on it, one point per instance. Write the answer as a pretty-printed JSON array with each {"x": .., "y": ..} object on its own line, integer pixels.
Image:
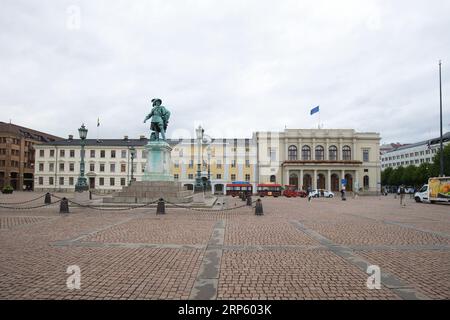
[
  {"x": 198, "y": 179},
  {"x": 82, "y": 182},
  {"x": 133, "y": 155}
]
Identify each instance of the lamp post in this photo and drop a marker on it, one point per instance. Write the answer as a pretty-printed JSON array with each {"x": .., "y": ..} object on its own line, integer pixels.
[
  {"x": 81, "y": 182},
  {"x": 441, "y": 160},
  {"x": 198, "y": 178},
  {"x": 133, "y": 155}
]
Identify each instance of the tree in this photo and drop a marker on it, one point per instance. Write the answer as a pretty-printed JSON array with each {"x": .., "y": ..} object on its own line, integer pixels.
[
  {"x": 423, "y": 172},
  {"x": 385, "y": 175},
  {"x": 409, "y": 175},
  {"x": 437, "y": 162}
]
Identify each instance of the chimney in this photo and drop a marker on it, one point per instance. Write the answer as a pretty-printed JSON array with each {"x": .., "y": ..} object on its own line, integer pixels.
[{"x": 70, "y": 137}]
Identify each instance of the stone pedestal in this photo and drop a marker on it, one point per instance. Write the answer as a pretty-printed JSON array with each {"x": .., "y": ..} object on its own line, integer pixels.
[
  {"x": 158, "y": 162},
  {"x": 81, "y": 197}
]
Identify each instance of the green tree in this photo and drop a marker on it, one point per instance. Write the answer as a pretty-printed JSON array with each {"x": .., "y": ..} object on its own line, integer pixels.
[
  {"x": 409, "y": 175},
  {"x": 437, "y": 162},
  {"x": 423, "y": 172},
  {"x": 385, "y": 175}
]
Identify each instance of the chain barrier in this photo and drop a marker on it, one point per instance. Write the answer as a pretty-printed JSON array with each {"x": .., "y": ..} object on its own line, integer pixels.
[
  {"x": 208, "y": 210},
  {"x": 28, "y": 208},
  {"x": 109, "y": 209},
  {"x": 23, "y": 202}
]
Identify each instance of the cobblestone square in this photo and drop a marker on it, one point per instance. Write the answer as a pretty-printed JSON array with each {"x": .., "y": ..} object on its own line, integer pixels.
[{"x": 296, "y": 250}]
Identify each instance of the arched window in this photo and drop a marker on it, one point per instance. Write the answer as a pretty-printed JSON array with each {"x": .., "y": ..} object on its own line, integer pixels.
[
  {"x": 366, "y": 182},
  {"x": 332, "y": 153},
  {"x": 346, "y": 153},
  {"x": 273, "y": 178},
  {"x": 292, "y": 153},
  {"x": 306, "y": 153},
  {"x": 319, "y": 153}
]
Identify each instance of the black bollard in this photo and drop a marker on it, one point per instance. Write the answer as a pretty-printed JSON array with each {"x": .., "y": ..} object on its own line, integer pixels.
[
  {"x": 249, "y": 200},
  {"x": 259, "y": 208},
  {"x": 64, "y": 206},
  {"x": 244, "y": 196},
  {"x": 48, "y": 198},
  {"x": 90, "y": 195},
  {"x": 161, "y": 208}
]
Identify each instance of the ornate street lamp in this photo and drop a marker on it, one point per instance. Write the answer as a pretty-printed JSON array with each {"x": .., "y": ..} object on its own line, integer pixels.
[
  {"x": 198, "y": 178},
  {"x": 133, "y": 155},
  {"x": 209, "y": 169},
  {"x": 82, "y": 182}
]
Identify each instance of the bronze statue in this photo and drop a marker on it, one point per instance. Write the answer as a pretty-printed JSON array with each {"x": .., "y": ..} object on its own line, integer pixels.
[{"x": 160, "y": 119}]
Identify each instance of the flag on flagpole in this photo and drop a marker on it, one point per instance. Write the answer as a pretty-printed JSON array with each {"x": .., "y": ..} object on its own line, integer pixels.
[
  {"x": 98, "y": 122},
  {"x": 314, "y": 110}
]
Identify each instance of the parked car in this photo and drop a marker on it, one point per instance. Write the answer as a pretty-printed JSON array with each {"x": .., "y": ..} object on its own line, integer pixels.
[{"x": 316, "y": 193}]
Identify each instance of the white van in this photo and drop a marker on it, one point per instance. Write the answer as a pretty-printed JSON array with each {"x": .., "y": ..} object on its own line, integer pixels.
[{"x": 437, "y": 190}]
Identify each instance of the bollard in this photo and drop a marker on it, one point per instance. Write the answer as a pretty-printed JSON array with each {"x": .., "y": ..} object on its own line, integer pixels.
[
  {"x": 64, "y": 206},
  {"x": 249, "y": 200},
  {"x": 259, "y": 208},
  {"x": 161, "y": 208},
  {"x": 90, "y": 195},
  {"x": 48, "y": 198},
  {"x": 244, "y": 196}
]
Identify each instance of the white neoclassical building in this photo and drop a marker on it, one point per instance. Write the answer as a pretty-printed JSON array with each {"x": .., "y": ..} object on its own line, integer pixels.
[{"x": 320, "y": 158}]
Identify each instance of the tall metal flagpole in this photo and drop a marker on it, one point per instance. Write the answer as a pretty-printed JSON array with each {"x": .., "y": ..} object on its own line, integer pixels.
[{"x": 441, "y": 171}]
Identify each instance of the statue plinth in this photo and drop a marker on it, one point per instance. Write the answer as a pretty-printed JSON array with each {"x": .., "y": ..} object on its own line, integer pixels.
[{"x": 158, "y": 161}]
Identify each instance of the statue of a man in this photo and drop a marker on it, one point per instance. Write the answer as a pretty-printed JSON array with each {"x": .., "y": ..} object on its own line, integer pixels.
[{"x": 160, "y": 118}]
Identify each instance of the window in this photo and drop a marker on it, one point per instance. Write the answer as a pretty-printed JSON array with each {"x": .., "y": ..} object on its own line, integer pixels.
[
  {"x": 41, "y": 181},
  {"x": 102, "y": 167},
  {"x": 272, "y": 154},
  {"x": 72, "y": 153},
  {"x": 247, "y": 163},
  {"x": 123, "y": 167},
  {"x": 61, "y": 167},
  {"x": 143, "y": 167},
  {"x": 123, "y": 154},
  {"x": 366, "y": 155},
  {"x": 273, "y": 178},
  {"x": 219, "y": 164},
  {"x": 346, "y": 153},
  {"x": 233, "y": 177},
  {"x": 218, "y": 176},
  {"x": 180, "y": 153},
  {"x": 41, "y": 153},
  {"x": 190, "y": 176},
  {"x": 71, "y": 167},
  {"x": 332, "y": 153},
  {"x": 319, "y": 153},
  {"x": 102, "y": 153},
  {"x": 112, "y": 167},
  {"x": 92, "y": 167},
  {"x": 247, "y": 177},
  {"x": 62, "y": 153},
  {"x": 61, "y": 181},
  {"x": 71, "y": 181},
  {"x": 292, "y": 153},
  {"x": 191, "y": 163},
  {"x": 101, "y": 181},
  {"x": 306, "y": 153},
  {"x": 175, "y": 176},
  {"x": 50, "y": 181},
  {"x": 176, "y": 164},
  {"x": 113, "y": 153},
  {"x": 122, "y": 181},
  {"x": 233, "y": 163},
  {"x": 52, "y": 153},
  {"x": 92, "y": 153},
  {"x": 41, "y": 167},
  {"x": 366, "y": 182},
  {"x": 112, "y": 181},
  {"x": 51, "y": 167}
]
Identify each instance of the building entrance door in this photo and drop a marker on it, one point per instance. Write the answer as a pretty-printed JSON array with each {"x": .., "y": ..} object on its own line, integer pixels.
[{"x": 91, "y": 183}]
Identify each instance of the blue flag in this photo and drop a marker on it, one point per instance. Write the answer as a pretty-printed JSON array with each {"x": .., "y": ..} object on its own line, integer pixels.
[{"x": 314, "y": 110}]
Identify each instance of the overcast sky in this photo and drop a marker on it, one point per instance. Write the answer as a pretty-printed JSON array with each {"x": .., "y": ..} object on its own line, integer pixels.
[{"x": 234, "y": 67}]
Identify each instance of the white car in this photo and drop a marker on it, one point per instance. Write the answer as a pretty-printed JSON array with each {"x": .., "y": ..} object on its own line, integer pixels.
[{"x": 316, "y": 193}]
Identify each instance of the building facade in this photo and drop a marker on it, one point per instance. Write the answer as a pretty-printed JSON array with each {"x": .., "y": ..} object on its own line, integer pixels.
[
  {"x": 320, "y": 159},
  {"x": 17, "y": 155},
  {"x": 413, "y": 154},
  {"x": 317, "y": 158},
  {"x": 108, "y": 163}
]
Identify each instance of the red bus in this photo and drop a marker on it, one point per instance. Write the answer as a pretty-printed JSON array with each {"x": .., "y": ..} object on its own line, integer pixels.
[
  {"x": 269, "y": 189},
  {"x": 291, "y": 191},
  {"x": 236, "y": 189}
]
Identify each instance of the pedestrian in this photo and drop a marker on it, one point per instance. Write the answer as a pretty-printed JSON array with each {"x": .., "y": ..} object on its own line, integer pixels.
[
  {"x": 308, "y": 190},
  {"x": 402, "y": 196},
  {"x": 343, "y": 194}
]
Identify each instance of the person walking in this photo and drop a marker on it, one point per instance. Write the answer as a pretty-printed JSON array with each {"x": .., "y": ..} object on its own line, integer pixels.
[
  {"x": 402, "y": 196},
  {"x": 308, "y": 190},
  {"x": 343, "y": 194}
]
